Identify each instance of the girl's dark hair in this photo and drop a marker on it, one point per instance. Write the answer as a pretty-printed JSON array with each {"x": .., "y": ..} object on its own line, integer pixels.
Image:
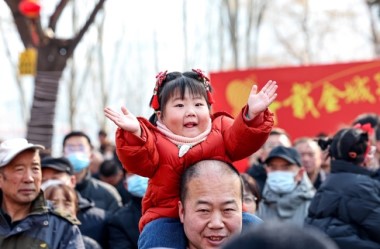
[
  {"x": 176, "y": 82},
  {"x": 324, "y": 142},
  {"x": 371, "y": 118},
  {"x": 348, "y": 144}
]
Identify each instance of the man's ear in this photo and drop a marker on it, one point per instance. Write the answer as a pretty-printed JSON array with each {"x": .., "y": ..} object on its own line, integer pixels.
[
  {"x": 300, "y": 174},
  {"x": 73, "y": 181},
  {"x": 181, "y": 211},
  {"x": 267, "y": 169}
]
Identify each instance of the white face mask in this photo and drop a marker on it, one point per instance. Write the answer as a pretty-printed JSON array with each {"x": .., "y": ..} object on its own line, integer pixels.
[
  {"x": 281, "y": 182},
  {"x": 137, "y": 185}
]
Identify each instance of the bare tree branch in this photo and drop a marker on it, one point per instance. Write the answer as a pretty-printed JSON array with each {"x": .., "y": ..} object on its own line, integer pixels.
[
  {"x": 374, "y": 31},
  {"x": 232, "y": 7},
  {"x": 85, "y": 27},
  {"x": 22, "y": 23},
  {"x": 57, "y": 13}
]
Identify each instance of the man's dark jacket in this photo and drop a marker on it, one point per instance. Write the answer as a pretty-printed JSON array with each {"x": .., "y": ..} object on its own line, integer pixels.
[{"x": 347, "y": 207}]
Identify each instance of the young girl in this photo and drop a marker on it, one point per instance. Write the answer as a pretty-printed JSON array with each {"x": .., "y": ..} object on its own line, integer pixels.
[
  {"x": 65, "y": 201},
  {"x": 181, "y": 132}
]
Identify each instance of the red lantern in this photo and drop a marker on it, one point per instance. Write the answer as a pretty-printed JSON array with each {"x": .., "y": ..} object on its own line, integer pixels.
[{"x": 30, "y": 8}]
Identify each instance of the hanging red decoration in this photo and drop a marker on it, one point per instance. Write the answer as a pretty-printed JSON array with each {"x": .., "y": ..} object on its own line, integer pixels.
[{"x": 30, "y": 8}]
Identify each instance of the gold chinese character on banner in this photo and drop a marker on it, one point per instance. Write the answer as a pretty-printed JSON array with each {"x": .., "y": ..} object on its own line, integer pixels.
[{"x": 27, "y": 62}]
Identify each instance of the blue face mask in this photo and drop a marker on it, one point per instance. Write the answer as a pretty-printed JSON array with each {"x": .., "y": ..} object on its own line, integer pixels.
[
  {"x": 137, "y": 185},
  {"x": 281, "y": 182},
  {"x": 79, "y": 160}
]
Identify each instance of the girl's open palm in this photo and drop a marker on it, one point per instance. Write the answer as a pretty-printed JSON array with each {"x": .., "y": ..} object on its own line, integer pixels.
[
  {"x": 125, "y": 120},
  {"x": 259, "y": 102}
]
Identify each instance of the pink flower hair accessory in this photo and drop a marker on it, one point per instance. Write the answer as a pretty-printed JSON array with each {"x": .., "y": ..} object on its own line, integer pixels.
[
  {"x": 160, "y": 77},
  {"x": 206, "y": 82}
]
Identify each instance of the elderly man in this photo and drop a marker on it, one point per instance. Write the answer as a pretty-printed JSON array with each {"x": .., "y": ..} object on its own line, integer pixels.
[
  {"x": 210, "y": 206},
  {"x": 311, "y": 159},
  {"x": 26, "y": 221}
]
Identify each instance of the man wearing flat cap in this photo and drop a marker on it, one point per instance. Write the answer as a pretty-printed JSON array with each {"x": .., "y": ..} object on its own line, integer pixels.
[
  {"x": 26, "y": 220},
  {"x": 288, "y": 190}
]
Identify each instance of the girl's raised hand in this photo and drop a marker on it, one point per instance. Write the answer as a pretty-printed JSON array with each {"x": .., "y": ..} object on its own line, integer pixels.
[
  {"x": 259, "y": 102},
  {"x": 125, "y": 120}
]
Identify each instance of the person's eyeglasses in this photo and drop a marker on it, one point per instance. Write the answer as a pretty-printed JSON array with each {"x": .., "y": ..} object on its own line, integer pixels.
[
  {"x": 74, "y": 148},
  {"x": 249, "y": 199}
]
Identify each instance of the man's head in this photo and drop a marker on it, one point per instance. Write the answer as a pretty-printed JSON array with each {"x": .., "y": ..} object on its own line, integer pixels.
[
  {"x": 311, "y": 155},
  {"x": 284, "y": 169},
  {"x": 210, "y": 206},
  {"x": 58, "y": 169},
  {"x": 78, "y": 149},
  {"x": 111, "y": 172},
  {"x": 276, "y": 137},
  {"x": 20, "y": 172},
  {"x": 102, "y": 136},
  {"x": 281, "y": 235}
]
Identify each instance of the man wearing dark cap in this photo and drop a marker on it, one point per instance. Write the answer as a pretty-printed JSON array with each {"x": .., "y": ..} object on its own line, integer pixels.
[
  {"x": 93, "y": 219},
  {"x": 288, "y": 191},
  {"x": 26, "y": 219},
  {"x": 57, "y": 169}
]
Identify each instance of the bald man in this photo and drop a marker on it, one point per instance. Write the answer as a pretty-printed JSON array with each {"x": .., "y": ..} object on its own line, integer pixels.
[{"x": 210, "y": 205}]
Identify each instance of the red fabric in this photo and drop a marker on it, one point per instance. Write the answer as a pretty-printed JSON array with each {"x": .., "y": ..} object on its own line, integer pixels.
[
  {"x": 311, "y": 99},
  {"x": 29, "y": 8},
  {"x": 154, "y": 156}
]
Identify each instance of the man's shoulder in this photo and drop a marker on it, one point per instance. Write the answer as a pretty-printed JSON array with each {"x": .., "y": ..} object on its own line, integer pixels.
[
  {"x": 100, "y": 185},
  {"x": 62, "y": 216},
  {"x": 127, "y": 210}
]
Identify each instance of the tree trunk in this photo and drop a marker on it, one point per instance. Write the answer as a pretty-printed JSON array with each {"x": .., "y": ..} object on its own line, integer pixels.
[{"x": 53, "y": 54}]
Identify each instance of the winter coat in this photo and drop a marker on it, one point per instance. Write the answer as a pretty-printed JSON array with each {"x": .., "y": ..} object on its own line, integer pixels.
[
  {"x": 153, "y": 155},
  {"x": 90, "y": 243},
  {"x": 104, "y": 195},
  {"x": 42, "y": 228},
  {"x": 347, "y": 207},
  {"x": 291, "y": 207},
  {"x": 93, "y": 220},
  {"x": 123, "y": 230}
]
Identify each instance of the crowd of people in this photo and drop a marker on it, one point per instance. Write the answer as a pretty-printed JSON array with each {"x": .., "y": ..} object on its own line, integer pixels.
[{"x": 169, "y": 182}]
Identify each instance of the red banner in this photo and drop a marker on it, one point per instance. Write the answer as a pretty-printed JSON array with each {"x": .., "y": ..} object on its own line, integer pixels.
[{"x": 311, "y": 99}]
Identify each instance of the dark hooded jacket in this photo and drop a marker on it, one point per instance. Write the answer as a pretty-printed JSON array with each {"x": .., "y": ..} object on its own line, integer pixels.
[
  {"x": 93, "y": 220},
  {"x": 104, "y": 195},
  {"x": 123, "y": 226},
  {"x": 347, "y": 207}
]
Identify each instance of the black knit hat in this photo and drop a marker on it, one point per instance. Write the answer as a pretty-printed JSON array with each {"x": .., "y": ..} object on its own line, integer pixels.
[{"x": 349, "y": 144}]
